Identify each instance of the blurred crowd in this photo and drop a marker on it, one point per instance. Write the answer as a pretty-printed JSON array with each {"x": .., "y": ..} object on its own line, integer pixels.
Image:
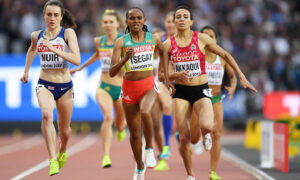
[{"x": 263, "y": 35}]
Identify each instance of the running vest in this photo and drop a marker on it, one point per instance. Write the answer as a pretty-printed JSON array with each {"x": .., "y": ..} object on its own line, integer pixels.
[
  {"x": 215, "y": 72},
  {"x": 143, "y": 57},
  {"x": 104, "y": 55},
  {"x": 188, "y": 58},
  {"x": 48, "y": 59}
]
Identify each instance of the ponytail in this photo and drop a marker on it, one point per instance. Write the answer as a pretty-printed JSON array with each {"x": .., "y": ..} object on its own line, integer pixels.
[
  {"x": 127, "y": 30},
  {"x": 68, "y": 20},
  {"x": 145, "y": 28}
]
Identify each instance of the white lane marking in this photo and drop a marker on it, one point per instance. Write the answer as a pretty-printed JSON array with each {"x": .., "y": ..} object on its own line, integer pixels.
[
  {"x": 231, "y": 140},
  {"x": 245, "y": 166},
  {"x": 84, "y": 144},
  {"x": 20, "y": 146}
]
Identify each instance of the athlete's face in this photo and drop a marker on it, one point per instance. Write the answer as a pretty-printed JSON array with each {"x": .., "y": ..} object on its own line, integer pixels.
[
  {"x": 135, "y": 20},
  {"x": 52, "y": 16},
  {"x": 110, "y": 24},
  {"x": 182, "y": 19},
  {"x": 210, "y": 33},
  {"x": 169, "y": 25}
]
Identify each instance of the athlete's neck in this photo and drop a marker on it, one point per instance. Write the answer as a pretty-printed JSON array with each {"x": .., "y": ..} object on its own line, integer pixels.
[
  {"x": 185, "y": 34},
  {"x": 209, "y": 56},
  {"x": 170, "y": 35},
  {"x": 52, "y": 33},
  {"x": 137, "y": 36},
  {"x": 111, "y": 37}
]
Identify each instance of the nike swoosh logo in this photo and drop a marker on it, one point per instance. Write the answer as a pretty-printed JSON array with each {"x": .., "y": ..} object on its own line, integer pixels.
[{"x": 63, "y": 88}]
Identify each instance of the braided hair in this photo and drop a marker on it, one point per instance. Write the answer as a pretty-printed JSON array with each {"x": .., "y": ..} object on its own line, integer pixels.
[{"x": 144, "y": 28}]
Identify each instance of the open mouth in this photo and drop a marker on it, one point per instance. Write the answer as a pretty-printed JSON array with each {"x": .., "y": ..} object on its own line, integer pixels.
[{"x": 181, "y": 24}]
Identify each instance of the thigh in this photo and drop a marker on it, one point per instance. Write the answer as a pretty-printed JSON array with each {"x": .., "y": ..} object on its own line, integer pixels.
[
  {"x": 164, "y": 97},
  {"x": 181, "y": 112},
  {"x": 132, "y": 113},
  {"x": 105, "y": 101},
  {"x": 45, "y": 99},
  {"x": 218, "y": 116},
  {"x": 148, "y": 100},
  {"x": 203, "y": 113},
  {"x": 64, "y": 106}
]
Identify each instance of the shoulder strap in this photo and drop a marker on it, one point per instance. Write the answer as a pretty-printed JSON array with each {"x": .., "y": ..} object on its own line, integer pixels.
[
  {"x": 173, "y": 41},
  {"x": 41, "y": 34}
]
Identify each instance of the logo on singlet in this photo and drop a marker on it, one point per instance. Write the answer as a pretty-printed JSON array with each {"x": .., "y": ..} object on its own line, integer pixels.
[
  {"x": 174, "y": 50},
  {"x": 128, "y": 43},
  {"x": 193, "y": 47}
]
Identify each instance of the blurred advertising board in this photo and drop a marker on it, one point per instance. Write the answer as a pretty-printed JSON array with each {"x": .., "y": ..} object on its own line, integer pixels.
[
  {"x": 281, "y": 141},
  {"x": 236, "y": 107},
  {"x": 18, "y": 101},
  {"x": 283, "y": 104},
  {"x": 267, "y": 144}
]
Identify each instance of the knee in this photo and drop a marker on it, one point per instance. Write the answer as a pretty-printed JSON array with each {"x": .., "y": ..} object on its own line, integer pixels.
[
  {"x": 108, "y": 119},
  {"x": 134, "y": 136},
  {"x": 167, "y": 109},
  {"x": 184, "y": 139},
  {"x": 195, "y": 139},
  {"x": 208, "y": 126},
  {"x": 47, "y": 115},
  {"x": 65, "y": 132},
  {"x": 145, "y": 114}
]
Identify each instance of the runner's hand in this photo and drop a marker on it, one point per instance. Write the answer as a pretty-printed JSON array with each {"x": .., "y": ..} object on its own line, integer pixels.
[
  {"x": 231, "y": 91},
  {"x": 73, "y": 71},
  {"x": 24, "y": 78},
  {"x": 47, "y": 43},
  {"x": 170, "y": 87},
  {"x": 246, "y": 84},
  {"x": 129, "y": 53},
  {"x": 183, "y": 76}
]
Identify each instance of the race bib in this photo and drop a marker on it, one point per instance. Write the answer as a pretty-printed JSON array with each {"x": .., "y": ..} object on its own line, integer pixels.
[
  {"x": 214, "y": 73},
  {"x": 50, "y": 60},
  {"x": 192, "y": 66},
  {"x": 105, "y": 63},
  {"x": 142, "y": 59}
]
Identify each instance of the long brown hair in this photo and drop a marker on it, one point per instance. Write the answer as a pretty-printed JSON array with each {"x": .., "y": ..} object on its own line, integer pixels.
[{"x": 68, "y": 20}]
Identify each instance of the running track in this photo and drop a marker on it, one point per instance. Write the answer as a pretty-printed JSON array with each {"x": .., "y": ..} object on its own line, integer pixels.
[{"x": 25, "y": 157}]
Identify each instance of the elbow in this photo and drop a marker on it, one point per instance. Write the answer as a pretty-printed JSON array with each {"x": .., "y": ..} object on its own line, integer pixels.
[
  {"x": 161, "y": 78},
  {"x": 77, "y": 62},
  {"x": 111, "y": 73}
]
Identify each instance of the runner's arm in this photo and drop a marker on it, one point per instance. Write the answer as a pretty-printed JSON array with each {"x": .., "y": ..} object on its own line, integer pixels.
[{"x": 117, "y": 64}]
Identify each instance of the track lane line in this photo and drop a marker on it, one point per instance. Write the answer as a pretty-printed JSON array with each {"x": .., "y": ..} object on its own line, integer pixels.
[
  {"x": 242, "y": 164},
  {"x": 20, "y": 146},
  {"x": 82, "y": 145}
]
